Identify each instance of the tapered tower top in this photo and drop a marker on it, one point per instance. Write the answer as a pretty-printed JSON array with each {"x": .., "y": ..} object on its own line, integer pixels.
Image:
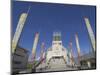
[{"x": 57, "y": 36}]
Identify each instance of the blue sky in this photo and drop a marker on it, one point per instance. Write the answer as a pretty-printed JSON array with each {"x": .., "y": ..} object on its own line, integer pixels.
[{"x": 47, "y": 18}]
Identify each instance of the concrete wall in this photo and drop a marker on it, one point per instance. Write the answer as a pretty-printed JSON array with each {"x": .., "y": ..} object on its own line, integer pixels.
[{"x": 19, "y": 60}]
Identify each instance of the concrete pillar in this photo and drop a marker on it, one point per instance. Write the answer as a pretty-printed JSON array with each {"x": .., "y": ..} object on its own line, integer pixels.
[{"x": 89, "y": 64}]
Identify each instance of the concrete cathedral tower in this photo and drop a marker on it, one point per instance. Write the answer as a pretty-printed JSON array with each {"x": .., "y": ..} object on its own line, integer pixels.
[{"x": 57, "y": 54}]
